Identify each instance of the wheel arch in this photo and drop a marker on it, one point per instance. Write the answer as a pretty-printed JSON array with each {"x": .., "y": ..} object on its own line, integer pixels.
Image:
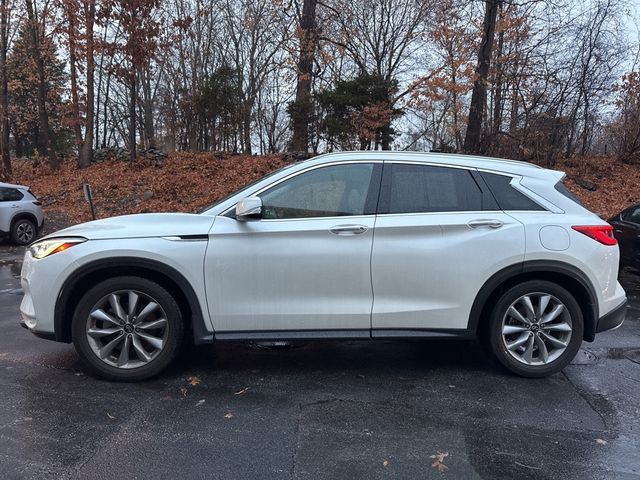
[
  {"x": 169, "y": 278},
  {"x": 26, "y": 215},
  {"x": 564, "y": 274}
]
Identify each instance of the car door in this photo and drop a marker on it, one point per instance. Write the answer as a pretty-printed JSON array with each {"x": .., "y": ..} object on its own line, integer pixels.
[
  {"x": 305, "y": 265},
  {"x": 439, "y": 236}
]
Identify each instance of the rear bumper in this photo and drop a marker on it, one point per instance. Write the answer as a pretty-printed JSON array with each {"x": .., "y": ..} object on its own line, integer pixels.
[{"x": 613, "y": 319}]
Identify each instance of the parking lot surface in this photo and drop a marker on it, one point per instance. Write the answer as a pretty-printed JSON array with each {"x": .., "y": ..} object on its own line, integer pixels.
[{"x": 396, "y": 409}]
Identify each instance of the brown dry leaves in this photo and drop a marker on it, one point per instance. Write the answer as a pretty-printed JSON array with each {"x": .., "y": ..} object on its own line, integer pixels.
[
  {"x": 186, "y": 183},
  {"x": 439, "y": 461},
  {"x": 618, "y": 183}
]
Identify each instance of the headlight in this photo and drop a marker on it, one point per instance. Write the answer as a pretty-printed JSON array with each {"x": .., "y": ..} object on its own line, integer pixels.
[{"x": 44, "y": 248}]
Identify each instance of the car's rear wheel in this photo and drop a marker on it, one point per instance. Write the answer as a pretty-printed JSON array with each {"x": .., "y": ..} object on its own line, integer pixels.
[
  {"x": 536, "y": 328},
  {"x": 23, "y": 231},
  {"x": 127, "y": 328}
]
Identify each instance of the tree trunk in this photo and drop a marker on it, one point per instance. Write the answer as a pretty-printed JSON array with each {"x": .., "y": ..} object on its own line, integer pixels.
[
  {"x": 43, "y": 116},
  {"x": 75, "y": 103},
  {"x": 497, "y": 95},
  {"x": 105, "y": 109},
  {"x": 246, "y": 127},
  {"x": 479, "y": 94},
  {"x": 86, "y": 152},
  {"x": 147, "y": 109},
  {"x": 4, "y": 91},
  {"x": 132, "y": 115},
  {"x": 301, "y": 113}
]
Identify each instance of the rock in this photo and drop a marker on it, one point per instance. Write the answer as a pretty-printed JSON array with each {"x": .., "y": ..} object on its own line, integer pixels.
[
  {"x": 587, "y": 185},
  {"x": 110, "y": 153},
  {"x": 296, "y": 156},
  {"x": 147, "y": 195},
  {"x": 155, "y": 156}
]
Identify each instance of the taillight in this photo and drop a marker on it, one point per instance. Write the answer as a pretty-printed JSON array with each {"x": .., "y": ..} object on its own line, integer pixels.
[{"x": 600, "y": 233}]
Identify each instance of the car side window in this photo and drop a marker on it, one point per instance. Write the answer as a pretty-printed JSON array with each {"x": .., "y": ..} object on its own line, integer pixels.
[
  {"x": 509, "y": 198},
  {"x": 10, "y": 194},
  {"x": 632, "y": 215},
  {"x": 332, "y": 191},
  {"x": 427, "y": 188}
]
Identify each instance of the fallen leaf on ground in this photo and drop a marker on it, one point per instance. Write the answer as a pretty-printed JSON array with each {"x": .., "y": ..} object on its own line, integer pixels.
[
  {"x": 600, "y": 441},
  {"x": 183, "y": 391},
  {"x": 439, "y": 461},
  {"x": 228, "y": 415},
  {"x": 243, "y": 391},
  {"x": 200, "y": 402},
  {"x": 385, "y": 463},
  {"x": 27, "y": 419},
  {"x": 110, "y": 416},
  {"x": 193, "y": 381}
]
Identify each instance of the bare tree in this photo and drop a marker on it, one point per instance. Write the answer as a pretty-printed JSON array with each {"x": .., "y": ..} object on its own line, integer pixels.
[
  {"x": 4, "y": 90},
  {"x": 36, "y": 30},
  {"x": 479, "y": 94},
  {"x": 86, "y": 152},
  {"x": 301, "y": 109}
]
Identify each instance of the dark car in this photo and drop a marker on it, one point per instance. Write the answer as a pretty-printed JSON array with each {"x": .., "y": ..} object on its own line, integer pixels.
[{"x": 627, "y": 231}]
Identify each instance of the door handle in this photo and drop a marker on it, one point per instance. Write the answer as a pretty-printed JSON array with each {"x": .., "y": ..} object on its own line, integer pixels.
[
  {"x": 485, "y": 223},
  {"x": 15, "y": 206},
  {"x": 348, "y": 229}
]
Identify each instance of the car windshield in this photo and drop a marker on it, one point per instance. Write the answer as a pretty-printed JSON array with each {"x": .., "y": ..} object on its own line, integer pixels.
[{"x": 248, "y": 185}]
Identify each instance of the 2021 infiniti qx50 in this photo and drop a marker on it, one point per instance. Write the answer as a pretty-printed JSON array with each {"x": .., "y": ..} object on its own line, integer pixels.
[{"x": 351, "y": 245}]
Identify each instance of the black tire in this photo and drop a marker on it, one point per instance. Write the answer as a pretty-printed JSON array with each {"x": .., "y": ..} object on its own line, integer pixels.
[
  {"x": 23, "y": 231},
  {"x": 172, "y": 341},
  {"x": 498, "y": 346}
]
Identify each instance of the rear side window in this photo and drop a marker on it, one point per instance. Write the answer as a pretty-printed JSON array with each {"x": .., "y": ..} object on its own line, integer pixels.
[
  {"x": 10, "y": 194},
  {"x": 562, "y": 188},
  {"x": 426, "y": 188},
  {"x": 508, "y": 198}
]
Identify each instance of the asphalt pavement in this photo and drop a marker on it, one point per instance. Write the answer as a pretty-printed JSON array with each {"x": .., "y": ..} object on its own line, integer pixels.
[{"x": 334, "y": 410}]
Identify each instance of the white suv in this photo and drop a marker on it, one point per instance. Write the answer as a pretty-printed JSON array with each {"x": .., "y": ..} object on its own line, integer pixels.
[
  {"x": 21, "y": 216},
  {"x": 364, "y": 245}
]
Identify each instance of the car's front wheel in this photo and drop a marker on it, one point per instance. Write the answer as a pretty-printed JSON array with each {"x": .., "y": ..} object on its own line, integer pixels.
[
  {"x": 127, "y": 328},
  {"x": 536, "y": 328}
]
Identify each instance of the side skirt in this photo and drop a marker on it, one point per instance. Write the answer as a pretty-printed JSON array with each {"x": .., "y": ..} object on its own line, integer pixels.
[{"x": 365, "y": 334}]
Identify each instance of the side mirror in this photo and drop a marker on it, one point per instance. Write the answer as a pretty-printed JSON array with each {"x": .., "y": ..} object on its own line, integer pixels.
[{"x": 249, "y": 208}]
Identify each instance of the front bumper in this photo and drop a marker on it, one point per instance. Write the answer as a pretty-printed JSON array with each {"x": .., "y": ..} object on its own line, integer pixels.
[
  {"x": 45, "y": 335},
  {"x": 613, "y": 319}
]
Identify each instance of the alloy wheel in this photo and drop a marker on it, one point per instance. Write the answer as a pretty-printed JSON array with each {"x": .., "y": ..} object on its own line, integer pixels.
[
  {"x": 536, "y": 329},
  {"x": 127, "y": 329},
  {"x": 25, "y": 232}
]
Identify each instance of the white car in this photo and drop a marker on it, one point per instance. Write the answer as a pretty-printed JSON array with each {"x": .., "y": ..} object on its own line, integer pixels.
[
  {"x": 21, "y": 216},
  {"x": 359, "y": 245}
]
